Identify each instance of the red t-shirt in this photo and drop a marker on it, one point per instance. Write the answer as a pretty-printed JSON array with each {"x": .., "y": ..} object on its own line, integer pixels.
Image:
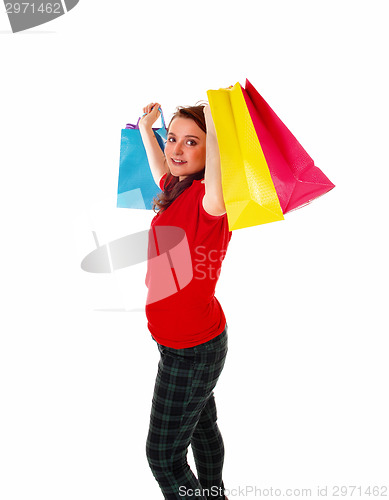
[{"x": 185, "y": 253}]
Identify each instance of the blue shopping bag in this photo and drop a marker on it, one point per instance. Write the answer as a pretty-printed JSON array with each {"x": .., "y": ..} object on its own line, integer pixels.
[{"x": 136, "y": 185}]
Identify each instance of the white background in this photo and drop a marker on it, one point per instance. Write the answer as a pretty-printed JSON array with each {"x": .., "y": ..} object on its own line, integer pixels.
[{"x": 302, "y": 401}]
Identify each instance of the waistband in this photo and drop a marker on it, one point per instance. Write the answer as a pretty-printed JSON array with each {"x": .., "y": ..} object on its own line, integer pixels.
[{"x": 217, "y": 343}]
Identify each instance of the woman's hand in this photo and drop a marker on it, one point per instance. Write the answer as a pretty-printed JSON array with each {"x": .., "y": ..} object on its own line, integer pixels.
[
  {"x": 207, "y": 110},
  {"x": 151, "y": 115},
  {"x": 209, "y": 120}
]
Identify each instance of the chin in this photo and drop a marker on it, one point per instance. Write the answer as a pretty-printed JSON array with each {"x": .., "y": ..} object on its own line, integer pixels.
[{"x": 178, "y": 173}]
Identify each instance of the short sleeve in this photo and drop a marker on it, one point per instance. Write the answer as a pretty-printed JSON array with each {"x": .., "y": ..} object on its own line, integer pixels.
[{"x": 206, "y": 214}]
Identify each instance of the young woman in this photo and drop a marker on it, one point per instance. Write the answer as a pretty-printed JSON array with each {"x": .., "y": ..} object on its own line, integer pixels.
[{"x": 187, "y": 324}]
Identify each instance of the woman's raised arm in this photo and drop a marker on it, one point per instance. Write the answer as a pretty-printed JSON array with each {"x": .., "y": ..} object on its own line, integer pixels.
[
  {"x": 213, "y": 201},
  {"x": 154, "y": 153}
]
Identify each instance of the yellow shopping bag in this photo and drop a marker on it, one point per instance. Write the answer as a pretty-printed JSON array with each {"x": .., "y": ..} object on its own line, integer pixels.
[{"x": 248, "y": 189}]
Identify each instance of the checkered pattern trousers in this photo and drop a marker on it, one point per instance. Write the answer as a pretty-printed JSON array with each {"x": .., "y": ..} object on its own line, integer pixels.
[{"x": 183, "y": 413}]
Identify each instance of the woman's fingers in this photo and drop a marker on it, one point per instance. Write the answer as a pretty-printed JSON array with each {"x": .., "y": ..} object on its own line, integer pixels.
[
  {"x": 147, "y": 108},
  {"x": 150, "y": 107},
  {"x": 151, "y": 114}
]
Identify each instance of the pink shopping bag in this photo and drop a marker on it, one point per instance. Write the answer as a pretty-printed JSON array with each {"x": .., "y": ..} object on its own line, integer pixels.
[{"x": 296, "y": 179}]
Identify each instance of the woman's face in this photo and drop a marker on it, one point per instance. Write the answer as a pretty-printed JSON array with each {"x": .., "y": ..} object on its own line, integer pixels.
[{"x": 185, "y": 147}]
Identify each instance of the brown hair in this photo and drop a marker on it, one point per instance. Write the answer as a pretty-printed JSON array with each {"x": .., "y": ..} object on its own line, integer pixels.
[{"x": 172, "y": 187}]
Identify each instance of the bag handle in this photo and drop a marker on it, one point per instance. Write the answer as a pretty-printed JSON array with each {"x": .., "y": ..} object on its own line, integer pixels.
[{"x": 129, "y": 125}]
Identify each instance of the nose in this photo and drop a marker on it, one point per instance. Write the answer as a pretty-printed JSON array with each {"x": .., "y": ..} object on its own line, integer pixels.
[{"x": 178, "y": 149}]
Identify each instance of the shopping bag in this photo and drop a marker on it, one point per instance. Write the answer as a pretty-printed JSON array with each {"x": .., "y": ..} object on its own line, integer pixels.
[
  {"x": 136, "y": 185},
  {"x": 248, "y": 190},
  {"x": 296, "y": 178}
]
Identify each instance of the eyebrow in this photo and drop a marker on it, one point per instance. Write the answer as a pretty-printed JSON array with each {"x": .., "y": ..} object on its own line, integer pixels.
[{"x": 171, "y": 133}]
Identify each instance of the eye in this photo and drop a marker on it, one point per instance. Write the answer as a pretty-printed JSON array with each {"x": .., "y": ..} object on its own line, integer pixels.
[
  {"x": 191, "y": 142},
  {"x": 171, "y": 139}
]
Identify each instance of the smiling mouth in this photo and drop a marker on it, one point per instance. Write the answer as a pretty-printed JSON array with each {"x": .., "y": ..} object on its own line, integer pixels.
[{"x": 178, "y": 162}]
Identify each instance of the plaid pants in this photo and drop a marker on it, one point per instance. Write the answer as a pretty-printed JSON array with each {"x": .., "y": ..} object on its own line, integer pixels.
[{"x": 183, "y": 413}]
